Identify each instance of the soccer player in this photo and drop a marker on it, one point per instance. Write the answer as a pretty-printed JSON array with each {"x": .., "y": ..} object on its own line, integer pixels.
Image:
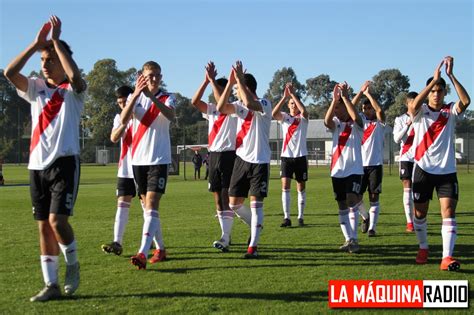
[
  {"x": 222, "y": 133},
  {"x": 252, "y": 164},
  {"x": 153, "y": 109},
  {"x": 125, "y": 184},
  {"x": 346, "y": 127},
  {"x": 435, "y": 163},
  {"x": 373, "y": 118},
  {"x": 403, "y": 133},
  {"x": 56, "y": 106},
  {"x": 293, "y": 153}
]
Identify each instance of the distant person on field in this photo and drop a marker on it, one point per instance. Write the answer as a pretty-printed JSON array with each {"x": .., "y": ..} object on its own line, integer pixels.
[
  {"x": 293, "y": 154},
  {"x": 197, "y": 162},
  {"x": 56, "y": 106}
]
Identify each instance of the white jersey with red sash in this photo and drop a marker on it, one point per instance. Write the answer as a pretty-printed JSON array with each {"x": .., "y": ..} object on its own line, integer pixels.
[
  {"x": 222, "y": 130},
  {"x": 372, "y": 142},
  {"x": 253, "y": 132},
  {"x": 151, "y": 135},
  {"x": 346, "y": 149},
  {"x": 434, "y": 141},
  {"x": 55, "y": 115},
  {"x": 125, "y": 169},
  {"x": 406, "y": 141},
  {"x": 294, "y": 135}
]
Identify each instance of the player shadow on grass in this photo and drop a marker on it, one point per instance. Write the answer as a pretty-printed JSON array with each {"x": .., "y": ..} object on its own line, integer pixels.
[{"x": 310, "y": 296}]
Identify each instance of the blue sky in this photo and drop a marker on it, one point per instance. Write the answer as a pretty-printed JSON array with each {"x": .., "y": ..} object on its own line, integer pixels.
[{"x": 349, "y": 40}]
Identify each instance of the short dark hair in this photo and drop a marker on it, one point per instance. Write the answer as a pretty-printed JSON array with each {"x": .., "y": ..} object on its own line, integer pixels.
[
  {"x": 123, "y": 91},
  {"x": 50, "y": 47},
  {"x": 367, "y": 102},
  {"x": 440, "y": 82},
  {"x": 222, "y": 82},
  {"x": 412, "y": 95},
  {"x": 250, "y": 82}
]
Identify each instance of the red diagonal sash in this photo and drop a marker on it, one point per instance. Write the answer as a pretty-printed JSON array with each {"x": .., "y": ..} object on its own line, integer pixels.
[
  {"x": 341, "y": 143},
  {"x": 432, "y": 133},
  {"x": 368, "y": 132},
  {"x": 291, "y": 130},
  {"x": 49, "y": 112},
  {"x": 215, "y": 128},
  {"x": 146, "y": 122},
  {"x": 407, "y": 145},
  {"x": 126, "y": 143},
  {"x": 244, "y": 130}
]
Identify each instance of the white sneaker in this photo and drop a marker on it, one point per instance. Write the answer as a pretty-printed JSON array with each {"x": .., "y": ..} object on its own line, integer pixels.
[
  {"x": 71, "y": 283},
  {"x": 50, "y": 292}
]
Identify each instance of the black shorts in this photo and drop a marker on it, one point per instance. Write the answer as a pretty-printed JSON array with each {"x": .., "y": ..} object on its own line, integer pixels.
[
  {"x": 249, "y": 178},
  {"x": 54, "y": 190},
  {"x": 126, "y": 187},
  {"x": 297, "y": 166},
  {"x": 372, "y": 179},
  {"x": 406, "y": 170},
  {"x": 150, "y": 178},
  {"x": 424, "y": 183},
  {"x": 221, "y": 165},
  {"x": 346, "y": 185}
]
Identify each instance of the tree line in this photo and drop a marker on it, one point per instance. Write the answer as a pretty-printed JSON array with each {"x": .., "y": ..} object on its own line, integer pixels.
[{"x": 390, "y": 87}]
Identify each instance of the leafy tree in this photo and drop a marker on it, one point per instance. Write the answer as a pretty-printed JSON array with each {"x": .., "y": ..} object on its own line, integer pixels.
[
  {"x": 14, "y": 119},
  {"x": 277, "y": 85},
  {"x": 398, "y": 108},
  {"x": 100, "y": 105},
  {"x": 387, "y": 84}
]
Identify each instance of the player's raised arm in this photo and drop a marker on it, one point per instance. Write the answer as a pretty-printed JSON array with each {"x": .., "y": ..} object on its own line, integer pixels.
[
  {"x": 223, "y": 105},
  {"x": 69, "y": 65},
  {"x": 298, "y": 103},
  {"x": 378, "y": 110},
  {"x": 328, "y": 118},
  {"x": 464, "y": 99},
  {"x": 12, "y": 71},
  {"x": 359, "y": 94},
  {"x": 197, "y": 101},
  {"x": 127, "y": 112},
  {"x": 248, "y": 98},
  {"x": 415, "y": 106},
  {"x": 349, "y": 106},
  {"x": 276, "y": 113}
]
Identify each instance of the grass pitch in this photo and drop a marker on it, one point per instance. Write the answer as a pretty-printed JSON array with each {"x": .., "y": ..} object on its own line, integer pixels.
[{"x": 290, "y": 277}]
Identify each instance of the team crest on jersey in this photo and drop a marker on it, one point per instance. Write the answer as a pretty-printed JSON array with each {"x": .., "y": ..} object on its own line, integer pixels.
[{"x": 444, "y": 113}]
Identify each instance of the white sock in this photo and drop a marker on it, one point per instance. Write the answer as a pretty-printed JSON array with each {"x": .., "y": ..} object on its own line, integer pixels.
[
  {"x": 121, "y": 220},
  {"x": 49, "y": 267},
  {"x": 226, "y": 220},
  {"x": 257, "y": 220},
  {"x": 150, "y": 226},
  {"x": 374, "y": 215},
  {"x": 301, "y": 203},
  {"x": 158, "y": 239},
  {"x": 408, "y": 204},
  {"x": 362, "y": 211},
  {"x": 345, "y": 224},
  {"x": 449, "y": 232},
  {"x": 69, "y": 252},
  {"x": 286, "y": 201},
  {"x": 421, "y": 230},
  {"x": 243, "y": 212},
  {"x": 354, "y": 221}
]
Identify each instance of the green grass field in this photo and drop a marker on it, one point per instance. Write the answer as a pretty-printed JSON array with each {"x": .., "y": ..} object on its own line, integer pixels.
[{"x": 291, "y": 276}]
